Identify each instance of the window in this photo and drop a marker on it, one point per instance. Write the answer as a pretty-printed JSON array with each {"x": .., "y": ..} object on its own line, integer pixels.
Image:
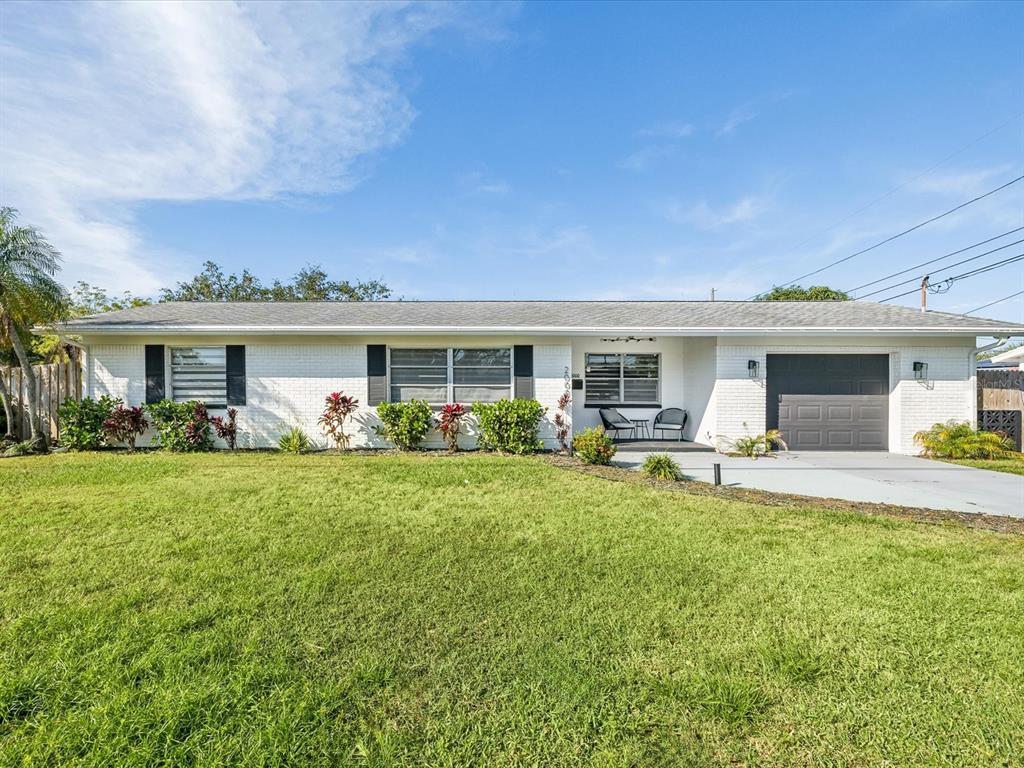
[
  {"x": 445, "y": 375},
  {"x": 199, "y": 373},
  {"x": 622, "y": 379}
]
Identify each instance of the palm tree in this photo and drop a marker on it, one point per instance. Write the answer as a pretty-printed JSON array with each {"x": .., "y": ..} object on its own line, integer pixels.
[{"x": 29, "y": 295}]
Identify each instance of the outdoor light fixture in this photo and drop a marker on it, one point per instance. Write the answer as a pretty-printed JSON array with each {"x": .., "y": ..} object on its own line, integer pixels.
[
  {"x": 752, "y": 366},
  {"x": 921, "y": 371}
]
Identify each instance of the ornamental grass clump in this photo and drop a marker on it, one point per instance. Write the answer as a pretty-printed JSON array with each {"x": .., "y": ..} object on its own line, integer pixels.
[
  {"x": 661, "y": 466},
  {"x": 404, "y": 424},
  {"x": 959, "y": 440},
  {"x": 450, "y": 422},
  {"x": 293, "y": 441},
  {"x": 125, "y": 425},
  {"x": 337, "y": 409},
  {"x": 593, "y": 446},
  {"x": 758, "y": 445}
]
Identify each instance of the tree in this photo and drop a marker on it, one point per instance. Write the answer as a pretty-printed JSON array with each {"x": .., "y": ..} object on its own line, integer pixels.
[
  {"x": 311, "y": 283},
  {"x": 91, "y": 300},
  {"x": 29, "y": 295},
  {"x": 799, "y": 293}
]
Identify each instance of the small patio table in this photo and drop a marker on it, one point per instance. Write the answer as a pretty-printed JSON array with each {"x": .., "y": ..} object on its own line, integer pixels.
[{"x": 642, "y": 427}]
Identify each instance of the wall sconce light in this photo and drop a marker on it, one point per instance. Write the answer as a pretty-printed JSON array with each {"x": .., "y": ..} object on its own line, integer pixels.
[
  {"x": 752, "y": 368},
  {"x": 921, "y": 371}
]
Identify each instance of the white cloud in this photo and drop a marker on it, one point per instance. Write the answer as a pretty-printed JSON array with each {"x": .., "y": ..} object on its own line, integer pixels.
[
  {"x": 963, "y": 183},
  {"x": 668, "y": 130},
  {"x": 479, "y": 183},
  {"x": 748, "y": 111},
  {"x": 645, "y": 157},
  {"x": 703, "y": 216},
  {"x": 110, "y": 105}
]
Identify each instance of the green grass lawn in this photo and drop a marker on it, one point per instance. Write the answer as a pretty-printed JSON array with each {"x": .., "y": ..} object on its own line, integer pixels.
[
  {"x": 1013, "y": 465},
  {"x": 256, "y": 609}
]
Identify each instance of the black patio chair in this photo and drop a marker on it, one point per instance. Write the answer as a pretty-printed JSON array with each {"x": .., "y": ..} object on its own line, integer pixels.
[
  {"x": 671, "y": 420},
  {"x": 615, "y": 422}
]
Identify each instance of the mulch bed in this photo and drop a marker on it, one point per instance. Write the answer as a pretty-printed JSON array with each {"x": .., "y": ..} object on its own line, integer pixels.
[{"x": 978, "y": 520}]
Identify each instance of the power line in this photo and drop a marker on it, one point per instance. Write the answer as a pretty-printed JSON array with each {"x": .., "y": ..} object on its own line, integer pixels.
[
  {"x": 932, "y": 261},
  {"x": 897, "y": 188},
  {"x": 993, "y": 303},
  {"x": 948, "y": 282},
  {"x": 888, "y": 288},
  {"x": 904, "y": 232}
]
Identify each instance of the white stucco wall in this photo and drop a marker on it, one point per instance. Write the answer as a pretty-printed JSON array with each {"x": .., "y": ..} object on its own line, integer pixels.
[{"x": 287, "y": 379}]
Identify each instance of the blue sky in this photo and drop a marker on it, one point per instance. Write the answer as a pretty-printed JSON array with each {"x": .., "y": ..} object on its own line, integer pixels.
[{"x": 518, "y": 151}]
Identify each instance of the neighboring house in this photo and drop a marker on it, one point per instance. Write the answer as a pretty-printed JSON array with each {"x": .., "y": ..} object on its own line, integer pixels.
[
  {"x": 831, "y": 375},
  {"x": 1011, "y": 358}
]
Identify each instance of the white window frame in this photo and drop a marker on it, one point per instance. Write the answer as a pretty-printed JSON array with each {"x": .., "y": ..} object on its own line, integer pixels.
[
  {"x": 621, "y": 402},
  {"x": 169, "y": 362},
  {"x": 451, "y": 385}
]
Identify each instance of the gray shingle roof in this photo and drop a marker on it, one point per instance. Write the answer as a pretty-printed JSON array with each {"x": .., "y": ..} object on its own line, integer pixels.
[{"x": 548, "y": 316}]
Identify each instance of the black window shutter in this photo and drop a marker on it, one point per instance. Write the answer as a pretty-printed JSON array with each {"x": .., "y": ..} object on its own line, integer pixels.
[
  {"x": 377, "y": 373},
  {"x": 522, "y": 371},
  {"x": 235, "y": 357},
  {"x": 155, "y": 387}
]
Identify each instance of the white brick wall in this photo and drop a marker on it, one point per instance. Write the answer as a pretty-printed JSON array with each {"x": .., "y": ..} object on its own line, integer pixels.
[
  {"x": 948, "y": 394},
  {"x": 550, "y": 364},
  {"x": 288, "y": 379},
  {"x": 286, "y": 385},
  {"x": 116, "y": 370}
]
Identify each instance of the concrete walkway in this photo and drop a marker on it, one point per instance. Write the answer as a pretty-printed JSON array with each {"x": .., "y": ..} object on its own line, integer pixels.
[{"x": 880, "y": 477}]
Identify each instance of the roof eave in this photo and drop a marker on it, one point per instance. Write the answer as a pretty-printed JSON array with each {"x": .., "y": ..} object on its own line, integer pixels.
[{"x": 293, "y": 330}]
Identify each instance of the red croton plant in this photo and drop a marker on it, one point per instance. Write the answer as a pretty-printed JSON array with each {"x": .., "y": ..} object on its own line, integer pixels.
[
  {"x": 337, "y": 408},
  {"x": 450, "y": 422},
  {"x": 124, "y": 424},
  {"x": 227, "y": 428}
]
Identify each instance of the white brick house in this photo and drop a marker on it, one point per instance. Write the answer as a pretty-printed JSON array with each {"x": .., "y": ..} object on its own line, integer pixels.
[{"x": 831, "y": 375}]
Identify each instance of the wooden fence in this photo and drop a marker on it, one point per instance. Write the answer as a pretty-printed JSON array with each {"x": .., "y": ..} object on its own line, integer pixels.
[
  {"x": 1001, "y": 403},
  {"x": 57, "y": 383},
  {"x": 1000, "y": 390}
]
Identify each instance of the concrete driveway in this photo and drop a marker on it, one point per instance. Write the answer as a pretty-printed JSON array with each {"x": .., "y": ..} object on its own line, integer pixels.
[{"x": 880, "y": 477}]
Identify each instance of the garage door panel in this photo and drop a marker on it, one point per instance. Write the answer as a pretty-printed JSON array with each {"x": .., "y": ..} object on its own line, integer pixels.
[
  {"x": 808, "y": 412},
  {"x": 809, "y": 438},
  {"x": 839, "y": 439},
  {"x": 834, "y": 422},
  {"x": 839, "y": 413}
]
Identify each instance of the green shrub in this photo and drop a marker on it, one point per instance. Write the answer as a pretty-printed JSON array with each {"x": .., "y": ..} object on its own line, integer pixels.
[
  {"x": 182, "y": 427},
  {"x": 509, "y": 426},
  {"x": 81, "y": 422},
  {"x": 24, "y": 448},
  {"x": 758, "y": 445},
  {"x": 593, "y": 446},
  {"x": 293, "y": 441},
  {"x": 661, "y": 466},
  {"x": 405, "y": 424},
  {"x": 958, "y": 440}
]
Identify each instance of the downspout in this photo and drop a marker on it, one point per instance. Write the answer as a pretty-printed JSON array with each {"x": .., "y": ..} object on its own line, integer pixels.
[{"x": 999, "y": 340}]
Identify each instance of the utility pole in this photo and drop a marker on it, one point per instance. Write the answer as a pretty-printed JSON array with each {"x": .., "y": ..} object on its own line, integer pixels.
[{"x": 924, "y": 294}]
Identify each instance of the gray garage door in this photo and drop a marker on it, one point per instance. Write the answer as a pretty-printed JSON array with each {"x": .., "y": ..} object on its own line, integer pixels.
[{"x": 830, "y": 402}]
